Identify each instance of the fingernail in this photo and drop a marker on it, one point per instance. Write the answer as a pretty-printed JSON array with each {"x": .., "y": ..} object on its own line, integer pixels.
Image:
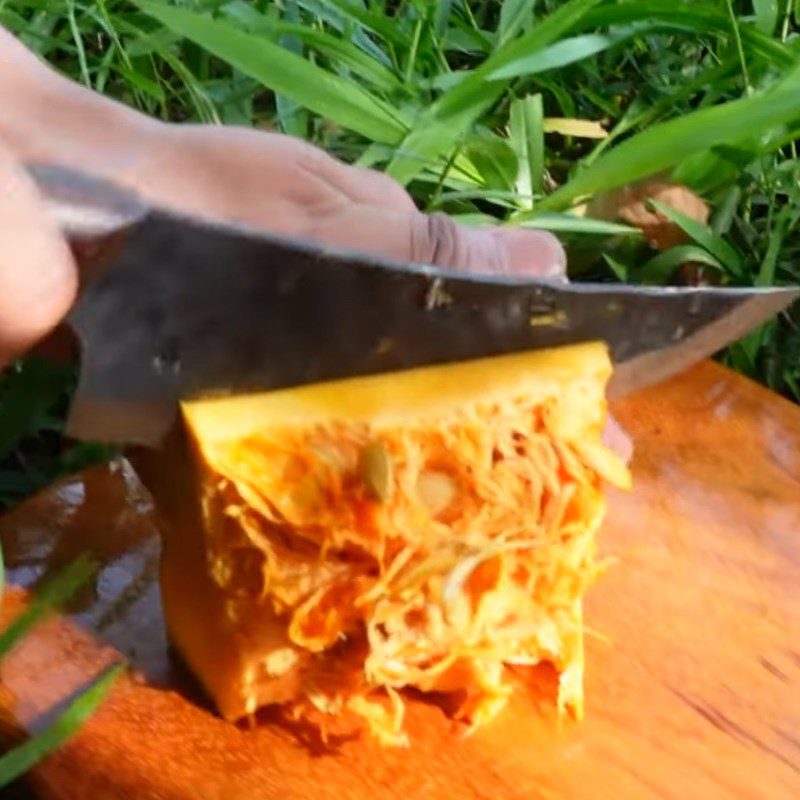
[{"x": 534, "y": 252}]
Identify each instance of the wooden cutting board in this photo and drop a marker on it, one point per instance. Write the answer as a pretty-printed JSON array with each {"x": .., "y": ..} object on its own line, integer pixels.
[{"x": 693, "y": 679}]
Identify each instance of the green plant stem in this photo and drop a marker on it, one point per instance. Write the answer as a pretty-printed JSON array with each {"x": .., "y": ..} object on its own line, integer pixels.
[
  {"x": 412, "y": 53},
  {"x": 76, "y": 35},
  {"x": 737, "y": 36}
]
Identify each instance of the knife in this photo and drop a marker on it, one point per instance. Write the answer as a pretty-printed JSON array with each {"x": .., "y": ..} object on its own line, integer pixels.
[{"x": 181, "y": 308}]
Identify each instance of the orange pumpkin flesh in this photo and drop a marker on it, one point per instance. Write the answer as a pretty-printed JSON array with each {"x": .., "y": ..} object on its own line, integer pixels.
[{"x": 332, "y": 545}]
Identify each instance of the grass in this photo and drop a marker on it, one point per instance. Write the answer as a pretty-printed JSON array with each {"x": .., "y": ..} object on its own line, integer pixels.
[
  {"x": 484, "y": 109},
  {"x": 17, "y": 760}
]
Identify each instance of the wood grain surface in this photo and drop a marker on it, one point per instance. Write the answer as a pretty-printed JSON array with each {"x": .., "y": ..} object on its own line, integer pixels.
[{"x": 693, "y": 676}]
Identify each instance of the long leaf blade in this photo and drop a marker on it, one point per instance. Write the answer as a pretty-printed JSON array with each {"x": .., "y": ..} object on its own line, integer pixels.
[
  {"x": 766, "y": 14},
  {"x": 700, "y": 17},
  {"x": 513, "y": 16},
  {"x": 47, "y": 598},
  {"x": 570, "y": 51},
  {"x": 526, "y": 133},
  {"x": 285, "y": 72},
  {"x": 704, "y": 236},
  {"x": 659, "y": 268},
  {"x": 18, "y": 761},
  {"x": 571, "y": 223},
  {"x": 346, "y": 53}
]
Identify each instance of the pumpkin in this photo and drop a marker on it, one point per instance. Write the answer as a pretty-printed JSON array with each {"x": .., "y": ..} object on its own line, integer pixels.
[{"x": 328, "y": 546}]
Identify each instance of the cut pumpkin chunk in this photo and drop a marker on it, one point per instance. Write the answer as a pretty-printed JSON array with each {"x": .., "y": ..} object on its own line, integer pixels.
[{"x": 332, "y": 545}]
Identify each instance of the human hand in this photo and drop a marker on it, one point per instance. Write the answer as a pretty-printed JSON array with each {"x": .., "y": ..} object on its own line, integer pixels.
[
  {"x": 236, "y": 174},
  {"x": 38, "y": 277},
  {"x": 290, "y": 187}
]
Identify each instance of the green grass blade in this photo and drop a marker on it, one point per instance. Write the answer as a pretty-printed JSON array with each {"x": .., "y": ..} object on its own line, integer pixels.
[
  {"x": 705, "y": 237},
  {"x": 345, "y": 53},
  {"x": 766, "y": 14},
  {"x": 786, "y": 221},
  {"x": 726, "y": 210},
  {"x": 564, "y": 19},
  {"x": 571, "y": 223},
  {"x": 247, "y": 15},
  {"x": 570, "y": 51},
  {"x": 709, "y": 170},
  {"x": 737, "y": 38},
  {"x": 440, "y": 127},
  {"x": 441, "y": 17},
  {"x": 46, "y": 599},
  {"x": 18, "y": 761},
  {"x": 78, "y": 39},
  {"x": 293, "y": 118},
  {"x": 140, "y": 44},
  {"x": 662, "y": 146},
  {"x": 493, "y": 158},
  {"x": 699, "y": 17},
  {"x": 618, "y": 269},
  {"x": 373, "y": 19},
  {"x": 464, "y": 38},
  {"x": 659, "y": 268},
  {"x": 204, "y": 106},
  {"x": 475, "y": 220},
  {"x": 326, "y": 94},
  {"x": 526, "y": 133},
  {"x": 766, "y": 274},
  {"x": 142, "y": 83},
  {"x": 323, "y": 11},
  {"x": 514, "y": 14},
  {"x": 504, "y": 199}
]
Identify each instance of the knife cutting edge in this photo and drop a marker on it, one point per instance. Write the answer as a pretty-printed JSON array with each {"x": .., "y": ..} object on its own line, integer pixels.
[{"x": 185, "y": 308}]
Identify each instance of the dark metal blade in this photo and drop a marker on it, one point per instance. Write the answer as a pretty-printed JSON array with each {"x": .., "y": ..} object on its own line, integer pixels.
[
  {"x": 193, "y": 310},
  {"x": 692, "y": 345}
]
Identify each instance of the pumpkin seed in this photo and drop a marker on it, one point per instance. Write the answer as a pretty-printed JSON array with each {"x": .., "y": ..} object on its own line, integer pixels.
[
  {"x": 436, "y": 490},
  {"x": 330, "y": 455},
  {"x": 376, "y": 471}
]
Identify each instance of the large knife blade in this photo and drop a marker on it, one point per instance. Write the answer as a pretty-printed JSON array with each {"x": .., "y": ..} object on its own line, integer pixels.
[{"x": 187, "y": 309}]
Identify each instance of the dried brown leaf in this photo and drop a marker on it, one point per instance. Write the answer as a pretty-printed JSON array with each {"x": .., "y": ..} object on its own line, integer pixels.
[{"x": 631, "y": 206}]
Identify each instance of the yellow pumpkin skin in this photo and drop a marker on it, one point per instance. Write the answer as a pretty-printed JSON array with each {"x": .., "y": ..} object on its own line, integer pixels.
[{"x": 300, "y": 534}]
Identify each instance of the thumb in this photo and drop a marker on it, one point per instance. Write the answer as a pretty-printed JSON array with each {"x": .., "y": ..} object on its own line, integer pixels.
[
  {"x": 439, "y": 240},
  {"x": 408, "y": 235},
  {"x": 38, "y": 277}
]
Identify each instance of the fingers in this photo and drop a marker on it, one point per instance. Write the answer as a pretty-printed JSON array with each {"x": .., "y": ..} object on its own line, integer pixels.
[
  {"x": 38, "y": 277},
  {"x": 293, "y": 188},
  {"x": 615, "y": 438},
  {"x": 263, "y": 179},
  {"x": 383, "y": 215},
  {"x": 437, "y": 239}
]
